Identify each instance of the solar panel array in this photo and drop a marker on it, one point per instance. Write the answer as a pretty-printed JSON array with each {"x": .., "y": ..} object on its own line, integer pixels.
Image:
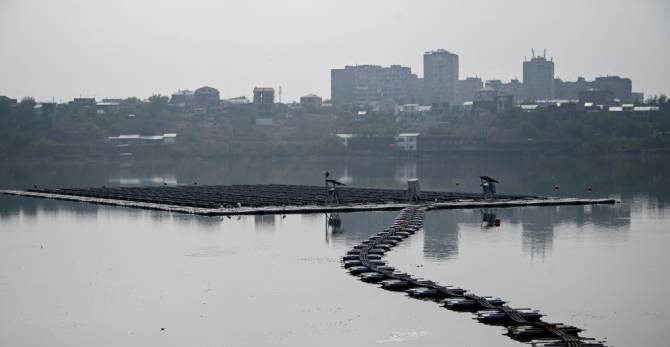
[{"x": 231, "y": 196}]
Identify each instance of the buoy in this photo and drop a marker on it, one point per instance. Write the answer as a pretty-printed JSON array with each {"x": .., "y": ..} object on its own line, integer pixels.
[
  {"x": 376, "y": 262},
  {"x": 556, "y": 187},
  {"x": 351, "y": 263},
  {"x": 395, "y": 284},
  {"x": 385, "y": 268},
  {"x": 355, "y": 270},
  {"x": 383, "y": 246},
  {"x": 497, "y": 222},
  {"x": 422, "y": 292},
  {"x": 589, "y": 188},
  {"x": 372, "y": 276}
]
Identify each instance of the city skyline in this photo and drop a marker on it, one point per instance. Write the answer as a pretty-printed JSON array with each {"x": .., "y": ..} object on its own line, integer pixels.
[{"x": 141, "y": 49}]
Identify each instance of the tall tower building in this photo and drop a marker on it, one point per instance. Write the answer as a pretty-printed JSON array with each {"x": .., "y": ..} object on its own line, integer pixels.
[
  {"x": 440, "y": 76},
  {"x": 538, "y": 78}
]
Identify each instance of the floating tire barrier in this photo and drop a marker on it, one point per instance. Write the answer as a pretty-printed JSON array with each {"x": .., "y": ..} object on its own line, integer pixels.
[{"x": 365, "y": 261}]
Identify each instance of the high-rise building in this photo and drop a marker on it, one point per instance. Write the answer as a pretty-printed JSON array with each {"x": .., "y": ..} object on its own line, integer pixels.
[
  {"x": 365, "y": 84},
  {"x": 538, "y": 78},
  {"x": 440, "y": 76}
]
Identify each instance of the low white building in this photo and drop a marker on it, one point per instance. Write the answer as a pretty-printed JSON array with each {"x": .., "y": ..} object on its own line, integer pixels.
[
  {"x": 240, "y": 100},
  {"x": 345, "y": 139},
  {"x": 406, "y": 142},
  {"x": 136, "y": 139}
]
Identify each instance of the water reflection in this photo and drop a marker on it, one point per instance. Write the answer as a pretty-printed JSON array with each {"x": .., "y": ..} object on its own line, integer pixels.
[
  {"x": 441, "y": 233},
  {"x": 449, "y": 236},
  {"x": 11, "y": 207},
  {"x": 539, "y": 223},
  {"x": 538, "y": 226},
  {"x": 357, "y": 226},
  {"x": 405, "y": 171},
  {"x": 265, "y": 222},
  {"x": 168, "y": 179},
  {"x": 345, "y": 177}
]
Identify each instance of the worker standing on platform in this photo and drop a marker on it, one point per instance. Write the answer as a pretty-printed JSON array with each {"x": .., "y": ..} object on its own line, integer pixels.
[
  {"x": 488, "y": 185},
  {"x": 331, "y": 189}
]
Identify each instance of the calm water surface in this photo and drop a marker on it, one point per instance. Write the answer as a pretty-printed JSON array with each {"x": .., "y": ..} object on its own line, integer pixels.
[{"x": 85, "y": 275}]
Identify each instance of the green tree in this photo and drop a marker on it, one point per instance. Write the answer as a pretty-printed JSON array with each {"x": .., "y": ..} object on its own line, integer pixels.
[
  {"x": 26, "y": 106},
  {"x": 158, "y": 103}
]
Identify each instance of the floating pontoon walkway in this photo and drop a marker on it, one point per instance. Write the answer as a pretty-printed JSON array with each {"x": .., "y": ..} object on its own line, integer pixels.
[
  {"x": 365, "y": 261},
  {"x": 274, "y": 198}
]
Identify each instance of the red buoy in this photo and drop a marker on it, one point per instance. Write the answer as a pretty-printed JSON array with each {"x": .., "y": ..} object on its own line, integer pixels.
[{"x": 497, "y": 222}]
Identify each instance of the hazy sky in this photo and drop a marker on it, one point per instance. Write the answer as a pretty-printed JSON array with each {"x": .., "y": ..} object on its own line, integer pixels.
[{"x": 63, "y": 49}]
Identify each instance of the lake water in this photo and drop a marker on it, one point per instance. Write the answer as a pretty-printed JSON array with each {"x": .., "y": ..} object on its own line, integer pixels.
[{"x": 75, "y": 274}]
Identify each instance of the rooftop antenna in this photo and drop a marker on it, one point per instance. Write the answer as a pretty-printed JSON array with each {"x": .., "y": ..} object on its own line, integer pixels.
[
  {"x": 544, "y": 55},
  {"x": 532, "y": 51},
  {"x": 280, "y": 94}
]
